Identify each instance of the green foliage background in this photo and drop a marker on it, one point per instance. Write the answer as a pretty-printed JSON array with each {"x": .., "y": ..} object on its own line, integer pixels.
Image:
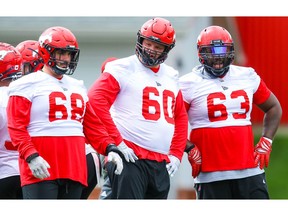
[{"x": 277, "y": 171}]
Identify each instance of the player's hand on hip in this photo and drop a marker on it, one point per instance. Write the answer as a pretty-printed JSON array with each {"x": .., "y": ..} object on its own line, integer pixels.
[
  {"x": 39, "y": 167},
  {"x": 262, "y": 152},
  {"x": 195, "y": 160},
  {"x": 116, "y": 159},
  {"x": 173, "y": 166},
  {"x": 127, "y": 152}
]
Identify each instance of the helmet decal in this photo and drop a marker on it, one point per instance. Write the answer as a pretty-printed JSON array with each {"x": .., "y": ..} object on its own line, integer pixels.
[
  {"x": 43, "y": 39},
  {"x": 3, "y": 53}
]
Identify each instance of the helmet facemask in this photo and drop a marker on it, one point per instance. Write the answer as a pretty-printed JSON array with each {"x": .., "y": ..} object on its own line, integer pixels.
[
  {"x": 63, "y": 67},
  {"x": 146, "y": 55},
  {"x": 13, "y": 76},
  {"x": 30, "y": 67},
  {"x": 216, "y": 57}
]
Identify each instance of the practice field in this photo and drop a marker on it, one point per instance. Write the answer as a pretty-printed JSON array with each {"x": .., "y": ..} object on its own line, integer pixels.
[{"x": 277, "y": 172}]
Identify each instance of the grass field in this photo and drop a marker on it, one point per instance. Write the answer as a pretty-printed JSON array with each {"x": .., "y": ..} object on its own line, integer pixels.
[{"x": 277, "y": 172}]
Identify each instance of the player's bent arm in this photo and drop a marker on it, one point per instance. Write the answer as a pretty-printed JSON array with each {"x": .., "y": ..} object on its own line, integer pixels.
[
  {"x": 273, "y": 113},
  {"x": 102, "y": 95},
  {"x": 95, "y": 132}
]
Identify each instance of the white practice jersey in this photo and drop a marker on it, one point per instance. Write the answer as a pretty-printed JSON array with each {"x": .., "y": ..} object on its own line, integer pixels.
[
  {"x": 143, "y": 109},
  {"x": 56, "y": 104},
  {"x": 230, "y": 97},
  {"x": 9, "y": 165},
  {"x": 218, "y": 103}
]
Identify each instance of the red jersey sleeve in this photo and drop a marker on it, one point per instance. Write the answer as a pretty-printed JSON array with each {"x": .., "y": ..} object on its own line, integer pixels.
[
  {"x": 262, "y": 93},
  {"x": 95, "y": 132},
  {"x": 102, "y": 95},
  {"x": 181, "y": 128},
  {"x": 18, "y": 117}
]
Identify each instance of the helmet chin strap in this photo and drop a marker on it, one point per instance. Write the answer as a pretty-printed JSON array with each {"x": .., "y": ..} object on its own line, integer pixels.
[
  {"x": 145, "y": 58},
  {"x": 216, "y": 73},
  {"x": 150, "y": 62},
  {"x": 58, "y": 70}
]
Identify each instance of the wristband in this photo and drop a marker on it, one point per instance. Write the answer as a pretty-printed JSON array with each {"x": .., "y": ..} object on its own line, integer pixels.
[
  {"x": 187, "y": 150},
  {"x": 31, "y": 157},
  {"x": 268, "y": 139},
  {"x": 112, "y": 148}
]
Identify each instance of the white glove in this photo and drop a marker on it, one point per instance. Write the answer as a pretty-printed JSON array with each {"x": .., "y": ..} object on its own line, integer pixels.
[
  {"x": 173, "y": 166},
  {"x": 116, "y": 159},
  {"x": 39, "y": 167},
  {"x": 127, "y": 152}
]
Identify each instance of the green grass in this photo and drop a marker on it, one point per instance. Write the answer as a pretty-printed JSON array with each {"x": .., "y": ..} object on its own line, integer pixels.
[{"x": 277, "y": 171}]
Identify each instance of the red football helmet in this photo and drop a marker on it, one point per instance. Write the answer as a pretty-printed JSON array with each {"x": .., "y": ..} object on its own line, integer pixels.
[
  {"x": 10, "y": 62},
  {"x": 59, "y": 39},
  {"x": 158, "y": 30},
  {"x": 29, "y": 52},
  {"x": 215, "y": 50}
]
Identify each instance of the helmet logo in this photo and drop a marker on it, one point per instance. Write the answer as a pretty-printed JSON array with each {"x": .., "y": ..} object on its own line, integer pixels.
[
  {"x": 217, "y": 42},
  {"x": 43, "y": 38},
  {"x": 154, "y": 38},
  {"x": 3, "y": 53},
  {"x": 34, "y": 53}
]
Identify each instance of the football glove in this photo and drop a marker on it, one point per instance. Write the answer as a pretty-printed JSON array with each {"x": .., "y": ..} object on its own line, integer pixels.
[
  {"x": 173, "y": 166},
  {"x": 116, "y": 159},
  {"x": 127, "y": 152},
  {"x": 262, "y": 152},
  {"x": 39, "y": 167},
  {"x": 195, "y": 160}
]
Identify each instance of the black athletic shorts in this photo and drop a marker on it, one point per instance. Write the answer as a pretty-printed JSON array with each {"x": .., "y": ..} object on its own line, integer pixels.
[
  {"x": 10, "y": 188},
  {"x": 253, "y": 187},
  {"x": 144, "y": 179}
]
